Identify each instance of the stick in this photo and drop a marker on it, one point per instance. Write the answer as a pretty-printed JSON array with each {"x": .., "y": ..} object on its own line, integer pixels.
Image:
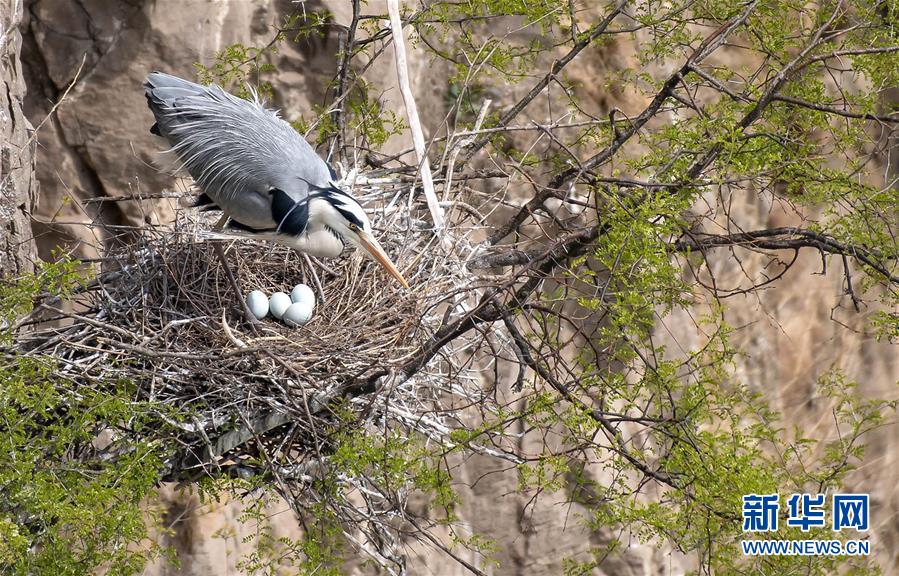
[
  {"x": 315, "y": 278},
  {"x": 418, "y": 139},
  {"x": 56, "y": 105},
  {"x": 468, "y": 141},
  {"x": 220, "y": 252}
]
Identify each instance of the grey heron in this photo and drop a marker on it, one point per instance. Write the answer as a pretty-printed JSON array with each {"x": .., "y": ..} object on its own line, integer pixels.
[{"x": 254, "y": 167}]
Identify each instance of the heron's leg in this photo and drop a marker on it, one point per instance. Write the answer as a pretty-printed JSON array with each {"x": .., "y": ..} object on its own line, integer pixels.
[{"x": 221, "y": 221}]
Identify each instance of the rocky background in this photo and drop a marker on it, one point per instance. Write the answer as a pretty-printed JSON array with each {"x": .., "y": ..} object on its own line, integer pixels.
[
  {"x": 18, "y": 187},
  {"x": 97, "y": 149}
]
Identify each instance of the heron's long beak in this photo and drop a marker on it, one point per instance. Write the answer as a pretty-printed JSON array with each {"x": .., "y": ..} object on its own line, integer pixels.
[{"x": 374, "y": 248}]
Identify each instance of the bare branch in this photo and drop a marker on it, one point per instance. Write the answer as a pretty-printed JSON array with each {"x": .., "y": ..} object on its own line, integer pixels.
[
  {"x": 709, "y": 45},
  {"x": 787, "y": 239},
  {"x": 402, "y": 72},
  {"x": 586, "y": 39},
  {"x": 836, "y": 111}
]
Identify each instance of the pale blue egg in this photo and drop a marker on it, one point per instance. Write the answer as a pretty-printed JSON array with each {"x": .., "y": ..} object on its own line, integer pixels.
[
  {"x": 298, "y": 314},
  {"x": 303, "y": 293},
  {"x": 278, "y": 303},
  {"x": 257, "y": 302}
]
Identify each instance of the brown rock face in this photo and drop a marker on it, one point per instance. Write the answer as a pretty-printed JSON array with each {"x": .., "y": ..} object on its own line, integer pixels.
[
  {"x": 98, "y": 146},
  {"x": 17, "y": 145}
]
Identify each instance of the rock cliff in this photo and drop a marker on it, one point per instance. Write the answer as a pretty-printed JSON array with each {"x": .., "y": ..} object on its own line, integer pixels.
[{"x": 18, "y": 187}]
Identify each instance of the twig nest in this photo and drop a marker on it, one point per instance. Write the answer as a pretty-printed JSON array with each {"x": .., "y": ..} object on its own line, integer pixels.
[
  {"x": 298, "y": 313},
  {"x": 303, "y": 293},
  {"x": 257, "y": 302},
  {"x": 278, "y": 304}
]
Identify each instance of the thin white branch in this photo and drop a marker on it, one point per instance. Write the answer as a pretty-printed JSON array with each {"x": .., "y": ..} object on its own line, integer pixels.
[{"x": 418, "y": 139}]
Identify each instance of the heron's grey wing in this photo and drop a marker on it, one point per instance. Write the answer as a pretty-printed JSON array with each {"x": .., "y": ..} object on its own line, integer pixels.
[
  {"x": 238, "y": 152},
  {"x": 287, "y": 215}
]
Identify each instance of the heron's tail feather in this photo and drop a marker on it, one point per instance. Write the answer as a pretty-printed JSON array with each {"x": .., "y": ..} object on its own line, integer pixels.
[
  {"x": 164, "y": 92},
  {"x": 162, "y": 87}
]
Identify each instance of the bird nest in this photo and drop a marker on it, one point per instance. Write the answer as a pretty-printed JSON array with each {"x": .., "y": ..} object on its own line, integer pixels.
[{"x": 166, "y": 318}]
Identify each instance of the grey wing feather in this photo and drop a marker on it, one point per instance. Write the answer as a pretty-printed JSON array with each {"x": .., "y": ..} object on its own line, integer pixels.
[{"x": 236, "y": 150}]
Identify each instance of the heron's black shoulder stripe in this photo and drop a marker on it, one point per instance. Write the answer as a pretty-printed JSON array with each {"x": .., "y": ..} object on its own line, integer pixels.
[
  {"x": 291, "y": 216},
  {"x": 235, "y": 225}
]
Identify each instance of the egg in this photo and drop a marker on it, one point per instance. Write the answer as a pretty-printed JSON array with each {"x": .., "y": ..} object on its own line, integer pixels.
[
  {"x": 278, "y": 303},
  {"x": 303, "y": 293},
  {"x": 257, "y": 302},
  {"x": 298, "y": 314}
]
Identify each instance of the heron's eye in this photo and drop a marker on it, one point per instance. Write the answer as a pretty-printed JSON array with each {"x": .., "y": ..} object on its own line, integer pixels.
[{"x": 353, "y": 227}]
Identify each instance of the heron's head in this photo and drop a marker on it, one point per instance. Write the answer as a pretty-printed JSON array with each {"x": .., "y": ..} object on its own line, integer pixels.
[{"x": 347, "y": 219}]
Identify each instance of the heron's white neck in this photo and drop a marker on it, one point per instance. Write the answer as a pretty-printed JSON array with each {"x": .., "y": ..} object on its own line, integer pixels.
[
  {"x": 320, "y": 238},
  {"x": 318, "y": 242}
]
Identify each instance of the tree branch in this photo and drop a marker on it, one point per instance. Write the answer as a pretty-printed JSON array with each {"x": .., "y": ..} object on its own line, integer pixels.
[
  {"x": 490, "y": 310},
  {"x": 402, "y": 73},
  {"x": 709, "y": 45},
  {"x": 587, "y": 38},
  {"x": 837, "y": 111},
  {"x": 343, "y": 68},
  {"x": 786, "y": 238}
]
